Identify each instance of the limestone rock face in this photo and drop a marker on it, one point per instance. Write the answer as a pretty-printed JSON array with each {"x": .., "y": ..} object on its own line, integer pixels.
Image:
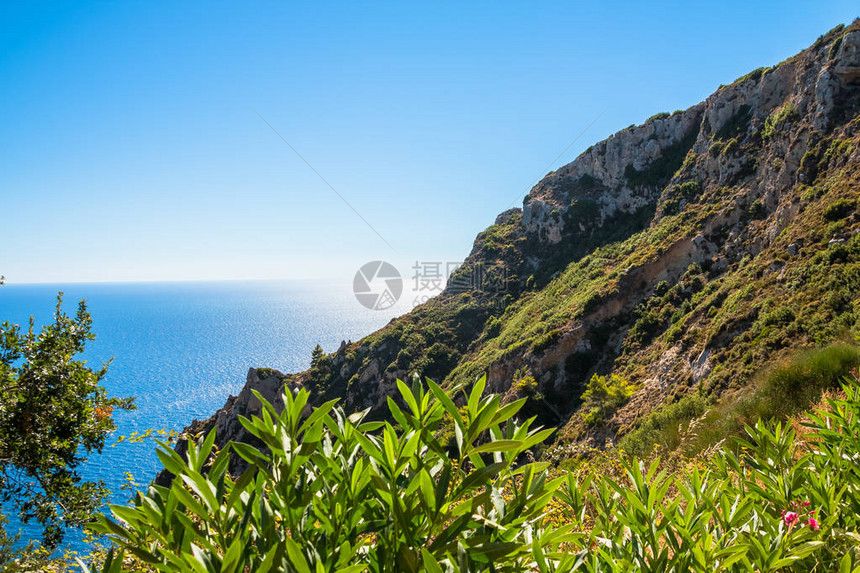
[
  {"x": 848, "y": 57},
  {"x": 826, "y": 87},
  {"x": 600, "y": 175}
]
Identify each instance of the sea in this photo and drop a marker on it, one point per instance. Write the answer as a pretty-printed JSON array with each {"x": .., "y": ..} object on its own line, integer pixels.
[{"x": 181, "y": 348}]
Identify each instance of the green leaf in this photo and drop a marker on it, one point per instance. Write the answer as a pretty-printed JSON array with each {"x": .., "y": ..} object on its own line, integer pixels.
[
  {"x": 408, "y": 397},
  {"x": 430, "y": 563},
  {"x": 294, "y": 554},
  {"x": 446, "y": 402},
  {"x": 475, "y": 396},
  {"x": 498, "y": 446}
]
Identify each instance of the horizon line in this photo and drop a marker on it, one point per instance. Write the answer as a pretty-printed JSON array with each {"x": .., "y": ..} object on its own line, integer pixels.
[{"x": 163, "y": 281}]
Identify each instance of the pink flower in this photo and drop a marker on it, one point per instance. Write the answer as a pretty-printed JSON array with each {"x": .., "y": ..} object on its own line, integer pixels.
[
  {"x": 813, "y": 524},
  {"x": 790, "y": 517}
]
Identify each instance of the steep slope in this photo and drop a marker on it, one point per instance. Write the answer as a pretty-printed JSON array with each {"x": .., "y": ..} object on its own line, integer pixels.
[{"x": 681, "y": 254}]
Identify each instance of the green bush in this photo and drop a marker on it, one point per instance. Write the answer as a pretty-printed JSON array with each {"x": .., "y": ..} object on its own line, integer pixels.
[
  {"x": 671, "y": 207},
  {"x": 839, "y": 209},
  {"x": 658, "y": 172},
  {"x": 604, "y": 395},
  {"x": 689, "y": 190},
  {"x": 716, "y": 148},
  {"x": 772, "y": 504},
  {"x": 264, "y": 373},
  {"x": 332, "y": 492},
  {"x": 834, "y": 47},
  {"x": 731, "y": 146},
  {"x": 335, "y": 493},
  {"x": 736, "y": 125},
  {"x": 795, "y": 385},
  {"x": 645, "y": 328},
  {"x": 756, "y": 210},
  {"x": 54, "y": 412},
  {"x": 779, "y": 117},
  {"x": 785, "y": 389},
  {"x": 664, "y": 427},
  {"x": 809, "y": 163},
  {"x": 494, "y": 325}
]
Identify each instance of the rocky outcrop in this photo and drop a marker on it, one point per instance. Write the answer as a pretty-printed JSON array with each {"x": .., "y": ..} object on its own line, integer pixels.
[
  {"x": 269, "y": 383},
  {"x": 847, "y": 66},
  {"x": 602, "y": 174}
]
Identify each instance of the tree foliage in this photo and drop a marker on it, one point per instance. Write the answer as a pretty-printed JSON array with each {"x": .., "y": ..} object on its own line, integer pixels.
[{"x": 53, "y": 413}]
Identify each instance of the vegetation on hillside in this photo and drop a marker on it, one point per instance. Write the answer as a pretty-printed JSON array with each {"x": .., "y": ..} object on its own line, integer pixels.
[{"x": 706, "y": 244}]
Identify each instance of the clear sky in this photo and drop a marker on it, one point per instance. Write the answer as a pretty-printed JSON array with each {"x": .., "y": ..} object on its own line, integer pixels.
[{"x": 131, "y": 147}]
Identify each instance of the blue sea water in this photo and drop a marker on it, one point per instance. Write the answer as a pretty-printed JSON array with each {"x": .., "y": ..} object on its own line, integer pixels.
[{"x": 181, "y": 348}]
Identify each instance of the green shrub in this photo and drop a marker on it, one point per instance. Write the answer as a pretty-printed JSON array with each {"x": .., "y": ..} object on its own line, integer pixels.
[
  {"x": 716, "y": 148},
  {"x": 688, "y": 190},
  {"x": 524, "y": 383},
  {"x": 779, "y": 117},
  {"x": 808, "y": 194},
  {"x": 756, "y": 210},
  {"x": 837, "y": 148},
  {"x": 661, "y": 115},
  {"x": 664, "y": 427},
  {"x": 645, "y": 328},
  {"x": 753, "y": 75},
  {"x": 768, "y": 504},
  {"x": 731, "y": 146},
  {"x": 336, "y": 493},
  {"x": 781, "y": 391},
  {"x": 658, "y": 172},
  {"x": 795, "y": 385},
  {"x": 494, "y": 325},
  {"x": 264, "y": 373},
  {"x": 839, "y": 209},
  {"x": 780, "y": 316},
  {"x": 54, "y": 413},
  {"x": 809, "y": 163},
  {"x": 332, "y": 492},
  {"x": 604, "y": 395},
  {"x": 671, "y": 207},
  {"x": 834, "y": 48}
]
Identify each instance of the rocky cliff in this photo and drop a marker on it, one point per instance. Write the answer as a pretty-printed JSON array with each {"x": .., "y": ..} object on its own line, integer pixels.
[{"x": 681, "y": 254}]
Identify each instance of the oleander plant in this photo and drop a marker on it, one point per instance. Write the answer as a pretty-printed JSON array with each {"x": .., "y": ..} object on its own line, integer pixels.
[{"x": 326, "y": 491}]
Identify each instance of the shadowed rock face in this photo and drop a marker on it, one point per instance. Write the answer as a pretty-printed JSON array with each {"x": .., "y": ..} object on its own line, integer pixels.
[
  {"x": 735, "y": 186},
  {"x": 600, "y": 174},
  {"x": 847, "y": 65}
]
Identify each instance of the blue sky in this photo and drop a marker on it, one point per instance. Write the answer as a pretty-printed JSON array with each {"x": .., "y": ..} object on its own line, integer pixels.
[{"x": 131, "y": 148}]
